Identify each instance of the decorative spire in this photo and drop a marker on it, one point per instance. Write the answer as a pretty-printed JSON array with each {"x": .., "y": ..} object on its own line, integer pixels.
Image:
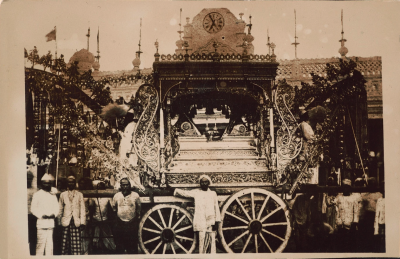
[
  {"x": 268, "y": 44},
  {"x": 140, "y": 38},
  {"x": 295, "y": 43},
  {"x": 136, "y": 62},
  {"x": 96, "y": 64},
  {"x": 98, "y": 45},
  {"x": 180, "y": 25},
  {"x": 343, "y": 50},
  {"x": 88, "y": 36}
]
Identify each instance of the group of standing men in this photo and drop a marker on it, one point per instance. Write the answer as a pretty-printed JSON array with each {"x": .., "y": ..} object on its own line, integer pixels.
[{"x": 70, "y": 213}]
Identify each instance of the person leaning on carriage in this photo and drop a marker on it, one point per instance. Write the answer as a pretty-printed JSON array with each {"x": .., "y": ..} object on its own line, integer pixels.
[
  {"x": 206, "y": 213},
  {"x": 127, "y": 206}
]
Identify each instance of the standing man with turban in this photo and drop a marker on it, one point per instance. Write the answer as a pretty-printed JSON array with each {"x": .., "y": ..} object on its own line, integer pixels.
[
  {"x": 206, "y": 213},
  {"x": 45, "y": 207},
  {"x": 72, "y": 218}
]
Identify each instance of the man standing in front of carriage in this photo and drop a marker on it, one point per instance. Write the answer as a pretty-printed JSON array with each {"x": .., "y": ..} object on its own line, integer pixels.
[
  {"x": 127, "y": 206},
  {"x": 206, "y": 213}
]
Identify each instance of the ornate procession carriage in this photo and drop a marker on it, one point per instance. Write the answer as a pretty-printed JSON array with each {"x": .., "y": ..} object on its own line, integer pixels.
[{"x": 215, "y": 108}]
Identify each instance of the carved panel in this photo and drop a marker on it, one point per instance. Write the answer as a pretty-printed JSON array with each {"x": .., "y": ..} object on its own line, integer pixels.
[{"x": 222, "y": 178}]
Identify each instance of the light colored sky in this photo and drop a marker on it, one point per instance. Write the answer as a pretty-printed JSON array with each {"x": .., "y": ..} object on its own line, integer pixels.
[{"x": 368, "y": 26}]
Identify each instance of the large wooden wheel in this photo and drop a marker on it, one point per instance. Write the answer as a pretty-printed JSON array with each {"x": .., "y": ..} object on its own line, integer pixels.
[
  {"x": 254, "y": 221},
  {"x": 167, "y": 229}
]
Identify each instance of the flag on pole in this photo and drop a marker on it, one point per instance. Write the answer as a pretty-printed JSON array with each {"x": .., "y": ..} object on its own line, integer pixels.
[{"x": 51, "y": 35}]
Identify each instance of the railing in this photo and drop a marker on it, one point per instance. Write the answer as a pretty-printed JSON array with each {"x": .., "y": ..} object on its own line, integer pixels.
[{"x": 210, "y": 57}]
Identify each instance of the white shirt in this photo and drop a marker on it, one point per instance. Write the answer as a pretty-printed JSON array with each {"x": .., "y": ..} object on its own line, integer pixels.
[
  {"x": 126, "y": 205},
  {"x": 206, "y": 209},
  {"x": 44, "y": 203}
]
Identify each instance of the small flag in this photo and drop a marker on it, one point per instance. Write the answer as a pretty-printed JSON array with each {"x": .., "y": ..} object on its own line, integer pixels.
[
  {"x": 51, "y": 35},
  {"x": 25, "y": 53}
]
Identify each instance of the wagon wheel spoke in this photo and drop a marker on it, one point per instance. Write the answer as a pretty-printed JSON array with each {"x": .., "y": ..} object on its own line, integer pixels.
[
  {"x": 237, "y": 238},
  {"x": 152, "y": 240},
  {"x": 274, "y": 224},
  {"x": 162, "y": 218},
  {"x": 270, "y": 214},
  {"x": 272, "y": 234},
  {"x": 247, "y": 242},
  {"x": 265, "y": 242},
  {"x": 170, "y": 217},
  {"x": 186, "y": 238},
  {"x": 152, "y": 230},
  {"x": 230, "y": 214},
  {"x": 253, "y": 209},
  {"x": 155, "y": 223},
  {"x": 173, "y": 249},
  {"x": 237, "y": 227},
  {"x": 155, "y": 249},
  {"x": 263, "y": 207},
  {"x": 255, "y": 242},
  {"x": 244, "y": 210},
  {"x": 182, "y": 229},
  {"x": 252, "y": 224},
  {"x": 181, "y": 246},
  {"x": 162, "y": 237},
  {"x": 179, "y": 221}
]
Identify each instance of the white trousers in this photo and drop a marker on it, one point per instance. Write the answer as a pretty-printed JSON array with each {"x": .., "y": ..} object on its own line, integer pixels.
[
  {"x": 205, "y": 240},
  {"x": 44, "y": 245}
]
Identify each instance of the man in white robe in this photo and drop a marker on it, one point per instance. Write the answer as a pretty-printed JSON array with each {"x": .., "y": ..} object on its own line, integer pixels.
[
  {"x": 206, "y": 213},
  {"x": 45, "y": 207}
]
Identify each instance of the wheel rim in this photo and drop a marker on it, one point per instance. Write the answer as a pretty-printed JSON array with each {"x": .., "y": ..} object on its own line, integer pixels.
[
  {"x": 254, "y": 221},
  {"x": 167, "y": 229}
]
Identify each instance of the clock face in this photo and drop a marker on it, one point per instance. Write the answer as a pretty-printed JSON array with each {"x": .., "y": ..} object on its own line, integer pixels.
[{"x": 213, "y": 22}]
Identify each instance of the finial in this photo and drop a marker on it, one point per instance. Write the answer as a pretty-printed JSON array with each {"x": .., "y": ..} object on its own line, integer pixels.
[
  {"x": 98, "y": 44},
  {"x": 180, "y": 25},
  {"x": 140, "y": 37},
  {"x": 156, "y": 44},
  {"x": 295, "y": 43},
  {"x": 157, "y": 56},
  {"x": 268, "y": 44},
  {"x": 186, "y": 46},
  {"x": 241, "y": 14},
  {"x": 88, "y": 36},
  {"x": 343, "y": 50},
  {"x": 273, "y": 57},
  {"x": 249, "y": 31}
]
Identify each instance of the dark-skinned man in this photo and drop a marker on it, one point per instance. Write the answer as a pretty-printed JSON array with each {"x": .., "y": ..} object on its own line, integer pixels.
[
  {"x": 127, "y": 206},
  {"x": 72, "y": 218},
  {"x": 206, "y": 212}
]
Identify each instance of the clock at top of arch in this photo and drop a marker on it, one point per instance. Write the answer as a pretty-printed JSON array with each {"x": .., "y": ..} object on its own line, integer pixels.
[{"x": 216, "y": 24}]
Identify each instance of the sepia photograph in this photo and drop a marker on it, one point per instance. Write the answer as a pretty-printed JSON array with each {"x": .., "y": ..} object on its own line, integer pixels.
[{"x": 203, "y": 127}]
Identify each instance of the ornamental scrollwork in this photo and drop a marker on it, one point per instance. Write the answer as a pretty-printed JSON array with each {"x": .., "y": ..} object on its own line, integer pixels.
[
  {"x": 288, "y": 136},
  {"x": 145, "y": 137}
]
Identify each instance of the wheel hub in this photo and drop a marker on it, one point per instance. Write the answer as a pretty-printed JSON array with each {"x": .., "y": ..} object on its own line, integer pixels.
[
  {"x": 255, "y": 227},
  {"x": 167, "y": 235}
]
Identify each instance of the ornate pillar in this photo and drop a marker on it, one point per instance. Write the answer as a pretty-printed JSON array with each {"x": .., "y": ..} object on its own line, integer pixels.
[
  {"x": 272, "y": 133},
  {"x": 262, "y": 137}
]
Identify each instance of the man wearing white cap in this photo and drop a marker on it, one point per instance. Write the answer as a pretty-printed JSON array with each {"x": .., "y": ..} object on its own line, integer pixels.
[
  {"x": 45, "y": 207},
  {"x": 72, "y": 217},
  {"x": 206, "y": 212}
]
